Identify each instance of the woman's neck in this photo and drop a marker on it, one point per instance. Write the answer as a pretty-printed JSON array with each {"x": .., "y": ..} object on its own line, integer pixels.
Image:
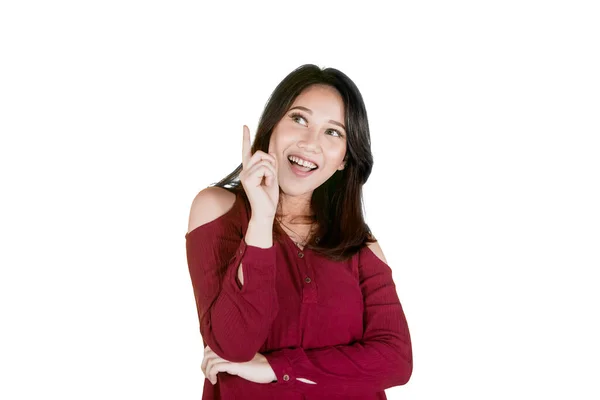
[{"x": 295, "y": 209}]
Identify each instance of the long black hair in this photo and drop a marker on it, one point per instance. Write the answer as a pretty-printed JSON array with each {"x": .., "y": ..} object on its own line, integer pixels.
[{"x": 341, "y": 230}]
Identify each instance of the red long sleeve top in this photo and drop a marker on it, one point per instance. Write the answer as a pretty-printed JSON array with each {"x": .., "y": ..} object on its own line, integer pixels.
[{"x": 337, "y": 324}]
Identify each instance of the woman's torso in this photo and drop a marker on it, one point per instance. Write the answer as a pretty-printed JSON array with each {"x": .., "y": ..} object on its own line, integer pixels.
[{"x": 320, "y": 304}]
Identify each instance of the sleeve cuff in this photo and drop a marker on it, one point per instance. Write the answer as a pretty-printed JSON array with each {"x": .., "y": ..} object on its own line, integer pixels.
[{"x": 282, "y": 367}]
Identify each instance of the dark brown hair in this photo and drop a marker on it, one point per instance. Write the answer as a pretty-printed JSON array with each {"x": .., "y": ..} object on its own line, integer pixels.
[{"x": 338, "y": 206}]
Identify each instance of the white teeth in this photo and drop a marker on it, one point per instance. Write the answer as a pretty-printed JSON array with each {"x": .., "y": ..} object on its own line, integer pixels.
[{"x": 302, "y": 162}]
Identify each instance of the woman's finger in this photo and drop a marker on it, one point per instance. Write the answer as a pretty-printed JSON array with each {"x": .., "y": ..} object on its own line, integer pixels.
[
  {"x": 215, "y": 366},
  {"x": 209, "y": 354},
  {"x": 259, "y": 156},
  {"x": 260, "y": 169},
  {"x": 246, "y": 152},
  {"x": 274, "y": 159},
  {"x": 269, "y": 181},
  {"x": 263, "y": 163}
]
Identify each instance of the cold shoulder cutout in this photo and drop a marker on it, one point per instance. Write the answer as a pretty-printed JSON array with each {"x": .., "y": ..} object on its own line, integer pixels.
[{"x": 233, "y": 214}]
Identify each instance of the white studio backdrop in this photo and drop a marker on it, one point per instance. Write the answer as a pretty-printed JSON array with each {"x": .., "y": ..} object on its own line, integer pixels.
[{"x": 484, "y": 194}]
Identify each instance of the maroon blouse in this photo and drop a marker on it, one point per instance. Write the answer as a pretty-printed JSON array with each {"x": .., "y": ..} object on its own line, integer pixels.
[{"x": 338, "y": 324}]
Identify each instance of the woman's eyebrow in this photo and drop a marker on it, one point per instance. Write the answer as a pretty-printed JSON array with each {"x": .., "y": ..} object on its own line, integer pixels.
[{"x": 308, "y": 110}]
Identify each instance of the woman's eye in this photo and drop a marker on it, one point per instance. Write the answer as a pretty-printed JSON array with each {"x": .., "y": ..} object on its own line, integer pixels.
[{"x": 295, "y": 117}]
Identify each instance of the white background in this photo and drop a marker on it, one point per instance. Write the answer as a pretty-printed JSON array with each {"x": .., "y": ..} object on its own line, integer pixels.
[{"x": 484, "y": 195}]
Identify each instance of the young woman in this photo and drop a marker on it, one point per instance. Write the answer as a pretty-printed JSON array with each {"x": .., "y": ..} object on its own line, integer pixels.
[{"x": 294, "y": 295}]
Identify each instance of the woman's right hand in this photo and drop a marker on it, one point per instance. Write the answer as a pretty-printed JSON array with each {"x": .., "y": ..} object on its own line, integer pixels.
[{"x": 263, "y": 196}]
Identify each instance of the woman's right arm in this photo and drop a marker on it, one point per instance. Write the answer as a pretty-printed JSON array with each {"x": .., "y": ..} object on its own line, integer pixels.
[{"x": 234, "y": 320}]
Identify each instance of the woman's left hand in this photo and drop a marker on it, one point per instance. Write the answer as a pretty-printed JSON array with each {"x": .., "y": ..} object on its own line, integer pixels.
[{"x": 256, "y": 370}]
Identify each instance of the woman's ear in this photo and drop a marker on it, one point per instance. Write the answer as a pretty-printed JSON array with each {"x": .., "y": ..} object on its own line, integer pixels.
[{"x": 343, "y": 164}]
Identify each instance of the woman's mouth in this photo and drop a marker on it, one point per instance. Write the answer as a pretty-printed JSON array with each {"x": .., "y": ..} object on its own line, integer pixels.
[{"x": 299, "y": 169}]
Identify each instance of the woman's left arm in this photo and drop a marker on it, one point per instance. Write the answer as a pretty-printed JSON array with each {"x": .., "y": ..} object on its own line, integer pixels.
[{"x": 380, "y": 360}]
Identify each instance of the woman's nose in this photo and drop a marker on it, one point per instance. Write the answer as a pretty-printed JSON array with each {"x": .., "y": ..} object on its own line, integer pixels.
[{"x": 310, "y": 140}]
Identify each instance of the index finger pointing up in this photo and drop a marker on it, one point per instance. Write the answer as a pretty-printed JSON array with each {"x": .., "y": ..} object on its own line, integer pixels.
[{"x": 246, "y": 152}]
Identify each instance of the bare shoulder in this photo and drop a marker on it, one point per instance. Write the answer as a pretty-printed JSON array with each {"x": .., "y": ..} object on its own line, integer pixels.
[
  {"x": 376, "y": 249},
  {"x": 209, "y": 204}
]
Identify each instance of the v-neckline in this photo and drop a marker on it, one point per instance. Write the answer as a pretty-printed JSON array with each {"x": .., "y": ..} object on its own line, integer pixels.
[{"x": 291, "y": 241}]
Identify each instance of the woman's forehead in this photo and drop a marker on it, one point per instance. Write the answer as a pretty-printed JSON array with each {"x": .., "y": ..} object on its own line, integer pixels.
[{"x": 319, "y": 99}]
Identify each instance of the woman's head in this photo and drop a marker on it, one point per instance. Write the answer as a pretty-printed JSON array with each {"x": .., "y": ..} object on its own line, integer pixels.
[
  {"x": 313, "y": 130},
  {"x": 326, "y": 98},
  {"x": 335, "y": 97}
]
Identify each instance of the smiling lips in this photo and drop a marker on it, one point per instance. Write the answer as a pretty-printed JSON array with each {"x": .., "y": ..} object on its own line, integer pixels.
[
  {"x": 300, "y": 171},
  {"x": 302, "y": 162}
]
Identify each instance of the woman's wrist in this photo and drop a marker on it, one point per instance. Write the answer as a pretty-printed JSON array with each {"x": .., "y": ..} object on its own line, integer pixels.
[{"x": 260, "y": 233}]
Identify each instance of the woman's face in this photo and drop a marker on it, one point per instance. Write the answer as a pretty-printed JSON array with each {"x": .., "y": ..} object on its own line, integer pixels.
[{"x": 312, "y": 129}]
